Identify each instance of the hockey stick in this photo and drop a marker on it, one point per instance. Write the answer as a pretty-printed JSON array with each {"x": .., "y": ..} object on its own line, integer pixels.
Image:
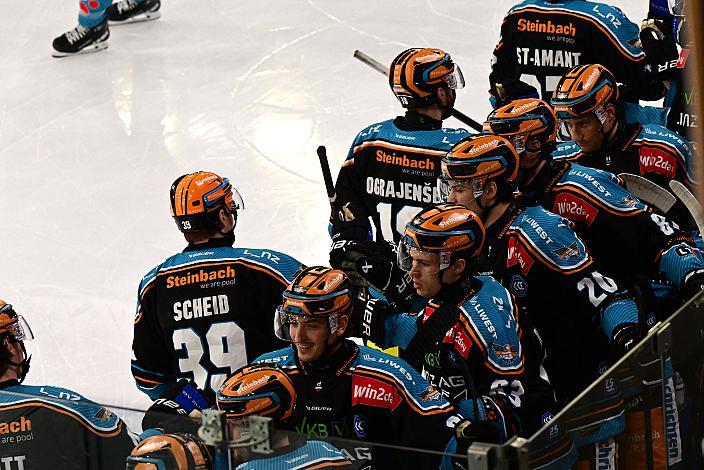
[
  {"x": 379, "y": 67},
  {"x": 690, "y": 202},
  {"x": 648, "y": 192},
  {"x": 327, "y": 176}
]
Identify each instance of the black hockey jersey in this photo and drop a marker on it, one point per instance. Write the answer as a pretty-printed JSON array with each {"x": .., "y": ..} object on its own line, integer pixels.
[
  {"x": 390, "y": 174},
  {"x": 204, "y": 313},
  {"x": 44, "y": 427},
  {"x": 542, "y": 40}
]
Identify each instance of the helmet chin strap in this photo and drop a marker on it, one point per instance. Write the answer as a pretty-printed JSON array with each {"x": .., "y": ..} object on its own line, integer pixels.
[{"x": 24, "y": 365}]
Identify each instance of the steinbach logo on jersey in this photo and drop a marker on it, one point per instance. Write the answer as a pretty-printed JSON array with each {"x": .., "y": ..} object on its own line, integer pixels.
[
  {"x": 654, "y": 160},
  {"x": 538, "y": 26},
  {"x": 200, "y": 276},
  {"x": 574, "y": 208},
  {"x": 403, "y": 160},
  {"x": 372, "y": 392}
]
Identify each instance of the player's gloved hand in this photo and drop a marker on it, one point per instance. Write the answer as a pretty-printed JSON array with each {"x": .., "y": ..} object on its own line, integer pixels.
[
  {"x": 660, "y": 48},
  {"x": 692, "y": 285},
  {"x": 372, "y": 314},
  {"x": 509, "y": 90},
  {"x": 371, "y": 263},
  {"x": 349, "y": 221},
  {"x": 183, "y": 399},
  {"x": 626, "y": 336}
]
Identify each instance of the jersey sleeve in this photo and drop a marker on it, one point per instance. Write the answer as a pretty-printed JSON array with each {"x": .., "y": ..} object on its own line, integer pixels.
[
  {"x": 503, "y": 61},
  {"x": 350, "y": 211},
  {"x": 573, "y": 271},
  {"x": 152, "y": 358}
]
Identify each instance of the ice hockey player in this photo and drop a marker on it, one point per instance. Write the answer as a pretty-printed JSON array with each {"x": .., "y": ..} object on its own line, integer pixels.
[
  {"x": 469, "y": 340},
  {"x": 205, "y": 312},
  {"x": 665, "y": 28},
  {"x": 51, "y": 427},
  {"x": 266, "y": 390},
  {"x": 177, "y": 451},
  {"x": 589, "y": 112},
  {"x": 540, "y": 259},
  {"x": 355, "y": 392},
  {"x": 92, "y": 32},
  {"x": 635, "y": 243},
  {"x": 391, "y": 167},
  {"x": 541, "y": 40}
]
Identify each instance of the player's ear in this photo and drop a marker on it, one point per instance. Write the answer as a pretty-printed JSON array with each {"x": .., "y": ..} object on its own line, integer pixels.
[
  {"x": 459, "y": 266},
  {"x": 342, "y": 323},
  {"x": 442, "y": 94}
]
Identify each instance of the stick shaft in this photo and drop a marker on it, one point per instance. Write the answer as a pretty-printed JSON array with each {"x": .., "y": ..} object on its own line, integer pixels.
[{"x": 327, "y": 176}]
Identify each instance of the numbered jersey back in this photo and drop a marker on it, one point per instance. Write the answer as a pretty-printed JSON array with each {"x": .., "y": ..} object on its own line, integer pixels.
[
  {"x": 202, "y": 314},
  {"x": 390, "y": 173}
]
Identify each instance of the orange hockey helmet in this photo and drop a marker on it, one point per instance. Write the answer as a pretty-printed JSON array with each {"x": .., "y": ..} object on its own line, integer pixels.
[
  {"x": 528, "y": 123},
  {"x": 476, "y": 160},
  {"x": 416, "y": 73},
  {"x": 586, "y": 89},
  {"x": 170, "y": 452},
  {"x": 445, "y": 229},
  {"x": 316, "y": 291},
  {"x": 196, "y": 200},
  {"x": 257, "y": 390}
]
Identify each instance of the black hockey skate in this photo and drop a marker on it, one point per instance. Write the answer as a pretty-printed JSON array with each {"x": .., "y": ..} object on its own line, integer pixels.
[
  {"x": 81, "y": 40},
  {"x": 132, "y": 11}
]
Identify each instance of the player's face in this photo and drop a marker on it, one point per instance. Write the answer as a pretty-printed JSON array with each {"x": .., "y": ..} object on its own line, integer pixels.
[
  {"x": 586, "y": 131},
  {"x": 425, "y": 272},
  {"x": 310, "y": 336},
  {"x": 462, "y": 193}
]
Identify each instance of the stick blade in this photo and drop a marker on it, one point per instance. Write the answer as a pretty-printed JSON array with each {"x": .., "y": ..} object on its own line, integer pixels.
[{"x": 648, "y": 192}]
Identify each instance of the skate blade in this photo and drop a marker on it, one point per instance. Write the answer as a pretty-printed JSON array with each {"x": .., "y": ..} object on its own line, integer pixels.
[
  {"x": 149, "y": 16},
  {"x": 86, "y": 50}
]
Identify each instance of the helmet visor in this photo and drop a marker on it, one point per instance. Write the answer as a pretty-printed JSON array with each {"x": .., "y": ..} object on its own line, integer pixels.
[
  {"x": 455, "y": 80},
  {"x": 284, "y": 320},
  {"x": 408, "y": 251},
  {"x": 20, "y": 329}
]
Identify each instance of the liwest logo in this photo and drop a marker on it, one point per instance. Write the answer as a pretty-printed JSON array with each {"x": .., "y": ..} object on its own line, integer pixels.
[
  {"x": 21, "y": 425},
  {"x": 538, "y": 26},
  {"x": 368, "y": 391},
  {"x": 403, "y": 160},
  {"x": 200, "y": 276}
]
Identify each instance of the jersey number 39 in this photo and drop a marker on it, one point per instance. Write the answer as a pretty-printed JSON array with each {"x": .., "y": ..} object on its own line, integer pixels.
[{"x": 223, "y": 344}]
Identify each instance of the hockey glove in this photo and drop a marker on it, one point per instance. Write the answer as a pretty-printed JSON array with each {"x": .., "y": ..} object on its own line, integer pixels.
[
  {"x": 183, "y": 399},
  {"x": 370, "y": 263},
  {"x": 692, "y": 285},
  {"x": 509, "y": 90},
  {"x": 626, "y": 336},
  {"x": 660, "y": 48},
  {"x": 349, "y": 222}
]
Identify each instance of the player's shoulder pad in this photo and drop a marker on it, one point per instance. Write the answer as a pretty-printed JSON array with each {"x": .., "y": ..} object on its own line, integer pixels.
[
  {"x": 490, "y": 313},
  {"x": 550, "y": 239},
  {"x": 91, "y": 415},
  {"x": 609, "y": 19},
  {"x": 386, "y": 135},
  {"x": 284, "y": 358},
  {"x": 379, "y": 379},
  {"x": 282, "y": 263},
  {"x": 600, "y": 187},
  {"x": 653, "y": 134},
  {"x": 567, "y": 151}
]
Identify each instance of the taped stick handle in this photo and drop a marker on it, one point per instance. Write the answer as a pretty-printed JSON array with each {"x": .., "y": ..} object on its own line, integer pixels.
[{"x": 379, "y": 67}]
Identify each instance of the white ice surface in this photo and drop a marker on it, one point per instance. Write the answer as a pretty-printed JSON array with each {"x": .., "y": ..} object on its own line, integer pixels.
[{"x": 89, "y": 145}]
